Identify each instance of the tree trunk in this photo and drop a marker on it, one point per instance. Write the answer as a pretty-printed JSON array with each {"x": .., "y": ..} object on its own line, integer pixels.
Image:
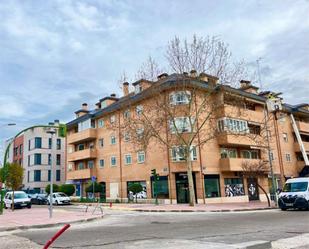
[
  {"x": 268, "y": 200},
  {"x": 13, "y": 201},
  {"x": 192, "y": 200}
]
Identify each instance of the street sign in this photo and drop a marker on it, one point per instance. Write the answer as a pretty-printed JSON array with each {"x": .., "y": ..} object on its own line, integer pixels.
[{"x": 93, "y": 178}]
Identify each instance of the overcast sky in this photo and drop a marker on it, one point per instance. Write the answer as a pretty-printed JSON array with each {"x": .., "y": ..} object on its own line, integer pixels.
[{"x": 56, "y": 54}]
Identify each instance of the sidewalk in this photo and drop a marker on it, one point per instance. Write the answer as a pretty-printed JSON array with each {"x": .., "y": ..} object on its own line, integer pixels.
[
  {"x": 222, "y": 207},
  {"x": 38, "y": 217}
]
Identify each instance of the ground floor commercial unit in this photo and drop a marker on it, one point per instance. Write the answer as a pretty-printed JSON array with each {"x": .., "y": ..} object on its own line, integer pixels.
[{"x": 174, "y": 188}]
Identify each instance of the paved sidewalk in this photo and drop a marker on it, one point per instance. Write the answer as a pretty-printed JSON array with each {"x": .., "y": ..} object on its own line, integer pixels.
[
  {"x": 37, "y": 217},
  {"x": 222, "y": 207}
]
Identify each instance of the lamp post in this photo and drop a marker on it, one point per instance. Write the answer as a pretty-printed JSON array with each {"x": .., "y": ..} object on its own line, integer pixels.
[
  {"x": 52, "y": 132},
  {"x": 1, "y": 192}
]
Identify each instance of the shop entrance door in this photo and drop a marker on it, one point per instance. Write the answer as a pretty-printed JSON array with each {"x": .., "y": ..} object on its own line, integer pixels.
[
  {"x": 182, "y": 187},
  {"x": 253, "y": 190}
]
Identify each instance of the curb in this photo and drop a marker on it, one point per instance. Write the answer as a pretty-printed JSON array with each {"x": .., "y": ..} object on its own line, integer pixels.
[
  {"x": 50, "y": 225},
  {"x": 192, "y": 211}
]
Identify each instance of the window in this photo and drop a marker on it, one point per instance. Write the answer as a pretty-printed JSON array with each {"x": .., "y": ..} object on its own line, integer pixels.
[
  {"x": 58, "y": 175},
  {"x": 29, "y": 144},
  {"x": 139, "y": 110},
  {"x": 80, "y": 166},
  {"x": 250, "y": 154},
  {"x": 101, "y": 163},
  {"x": 58, "y": 144},
  {"x": 233, "y": 187},
  {"x": 113, "y": 161},
  {"x": 139, "y": 133},
  {"x": 288, "y": 157},
  {"x": 161, "y": 187},
  {"x": 179, "y": 153},
  {"x": 81, "y": 147},
  {"x": 20, "y": 149},
  {"x": 285, "y": 137},
  {"x": 212, "y": 186},
  {"x": 228, "y": 153},
  {"x": 38, "y": 143},
  {"x": 271, "y": 154},
  {"x": 137, "y": 88},
  {"x": 70, "y": 167},
  {"x": 58, "y": 159},
  {"x": 84, "y": 125},
  {"x": 127, "y": 114},
  {"x": 128, "y": 159},
  {"x": 113, "y": 139},
  {"x": 101, "y": 123},
  {"x": 112, "y": 119},
  {"x": 126, "y": 137},
  {"x": 49, "y": 159},
  {"x": 28, "y": 176},
  {"x": 49, "y": 143},
  {"x": 182, "y": 124},
  {"x": 141, "y": 156},
  {"x": 90, "y": 164},
  {"x": 37, "y": 175},
  {"x": 234, "y": 125},
  {"x": 37, "y": 159},
  {"x": 101, "y": 142},
  {"x": 29, "y": 160},
  {"x": 49, "y": 175},
  {"x": 180, "y": 97}
]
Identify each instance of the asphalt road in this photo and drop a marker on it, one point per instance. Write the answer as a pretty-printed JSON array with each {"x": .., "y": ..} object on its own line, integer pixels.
[{"x": 120, "y": 229}]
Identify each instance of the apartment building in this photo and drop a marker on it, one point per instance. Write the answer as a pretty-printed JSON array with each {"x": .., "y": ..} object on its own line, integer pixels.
[
  {"x": 34, "y": 150},
  {"x": 96, "y": 147}
]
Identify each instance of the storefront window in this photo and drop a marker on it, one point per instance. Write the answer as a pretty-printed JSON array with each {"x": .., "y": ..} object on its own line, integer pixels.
[
  {"x": 233, "y": 187},
  {"x": 140, "y": 195},
  {"x": 161, "y": 187},
  {"x": 212, "y": 186}
]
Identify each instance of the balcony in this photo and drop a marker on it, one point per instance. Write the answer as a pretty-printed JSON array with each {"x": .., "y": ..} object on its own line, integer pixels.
[
  {"x": 80, "y": 174},
  {"x": 302, "y": 126},
  {"x": 82, "y": 154},
  {"x": 240, "y": 113},
  {"x": 234, "y": 164},
  {"x": 297, "y": 147},
  {"x": 82, "y": 136},
  {"x": 237, "y": 140}
]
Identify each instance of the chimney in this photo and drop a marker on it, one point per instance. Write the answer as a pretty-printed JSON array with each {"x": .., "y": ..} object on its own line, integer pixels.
[
  {"x": 244, "y": 83},
  {"x": 125, "y": 88},
  {"x": 113, "y": 95},
  {"x": 162, "y": 76},
  {"x": 85, "y": 107},
  {"x": 193, "y": 73}
]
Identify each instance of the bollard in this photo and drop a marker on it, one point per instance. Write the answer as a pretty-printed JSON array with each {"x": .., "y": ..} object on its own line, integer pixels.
[
  {"x": 110, "y": 204},
  {"x": 48, "y": 243}
]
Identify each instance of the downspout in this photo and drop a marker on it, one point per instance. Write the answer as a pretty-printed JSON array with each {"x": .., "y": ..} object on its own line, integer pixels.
[
  {"x": 120, "y": 158},
  {"x": 279, "y": 150}
]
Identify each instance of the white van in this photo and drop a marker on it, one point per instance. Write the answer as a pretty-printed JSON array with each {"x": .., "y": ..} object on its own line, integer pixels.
[
  {"x": 295, "y": 194},
  {"x": 21, "y": 199}
]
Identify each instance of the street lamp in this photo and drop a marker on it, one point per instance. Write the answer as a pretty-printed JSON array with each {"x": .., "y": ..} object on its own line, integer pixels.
[{"x": 52, "y": 132}]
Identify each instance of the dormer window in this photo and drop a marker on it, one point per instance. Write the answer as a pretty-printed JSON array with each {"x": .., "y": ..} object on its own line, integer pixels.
[
  {"x": 103, "y": 104},
  {"x": 138, "y": 89}
]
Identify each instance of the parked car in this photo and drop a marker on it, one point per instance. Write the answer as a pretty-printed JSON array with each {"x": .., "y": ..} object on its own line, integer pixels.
[
  {"x": 59, "y": 198},
  {"x": 295, "y": 194},
  {"x": 21, "y": 200},
  {"x": 39, "y": 199}
]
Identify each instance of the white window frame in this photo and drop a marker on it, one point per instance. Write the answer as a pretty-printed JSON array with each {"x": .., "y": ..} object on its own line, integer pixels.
[
  {"x": 126, "y": 137},
  {"x": 139, "y": 155},
  {"x": 127, "y": 114},
  {"x": 180, "y": 97},
  {"x": 178, "y": 158},
  {"x": 126, "y": 156},
  {"x": 92, "y": 164},
  {"x": 101, "y": 123},
  {"x": 111, "y": 161},
  {"x": 100, "y": 165},
  {"x": 182, "y": 124},
  {"x": 113, "y": 138},
  {"x": 232, "y": 125},
  {"x": 285, "y": 137},
  {"x": 137, "y": 88},
  {"x": 112, "y": 119},
  {"x": 139, "y": 110}
]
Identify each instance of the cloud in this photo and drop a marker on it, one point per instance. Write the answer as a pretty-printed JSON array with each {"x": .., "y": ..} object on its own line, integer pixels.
[{"x": 57, "y": 54}]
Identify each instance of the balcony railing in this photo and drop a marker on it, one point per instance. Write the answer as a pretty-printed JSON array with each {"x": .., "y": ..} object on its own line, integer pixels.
[
  {"x": 297, "y": 147},
  {"x": 302, "y": 126},
  {"x": 235, "y": 164},
  {"x": 225, "y": 138},
  {"x": 82, "y": 154},
  {"x": 80, "y": 174},
  {"x": 240, "y": 113},
  {"x": 82, "y": 136}
]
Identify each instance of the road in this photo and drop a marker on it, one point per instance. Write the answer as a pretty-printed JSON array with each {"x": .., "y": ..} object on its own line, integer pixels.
[{"x": 123, "y": 229}]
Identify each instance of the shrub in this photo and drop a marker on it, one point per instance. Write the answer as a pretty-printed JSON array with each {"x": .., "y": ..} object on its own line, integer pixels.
[
  {"x": 98, "y": 188},
  {"x": 55, "y": 188},
  {"x": 68, "y": 189}
]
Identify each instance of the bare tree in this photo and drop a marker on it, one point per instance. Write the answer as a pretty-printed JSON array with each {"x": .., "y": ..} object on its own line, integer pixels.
[
  {"x": 205, "y": 55},
  {"x": 149, "y": 70},
  {"x": 255, "y": 170}
]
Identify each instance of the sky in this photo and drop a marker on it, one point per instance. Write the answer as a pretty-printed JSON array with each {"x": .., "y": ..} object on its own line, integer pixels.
[{"x": 57, "y": 54}]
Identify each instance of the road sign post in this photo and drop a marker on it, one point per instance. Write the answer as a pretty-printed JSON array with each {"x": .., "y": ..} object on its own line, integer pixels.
[{"x": 93, "y": 179}]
